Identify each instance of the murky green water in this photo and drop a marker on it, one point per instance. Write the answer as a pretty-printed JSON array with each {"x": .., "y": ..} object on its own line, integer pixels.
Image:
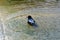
[
  {"x": 15, "y": 26},
  {"x": 18, "y": 29}
]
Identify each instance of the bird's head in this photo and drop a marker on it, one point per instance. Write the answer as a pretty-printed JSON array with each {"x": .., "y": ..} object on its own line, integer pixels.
[{"x": 29, "y": 17}]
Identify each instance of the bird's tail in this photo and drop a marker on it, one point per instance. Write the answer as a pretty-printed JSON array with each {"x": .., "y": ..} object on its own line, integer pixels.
[{"x": 35, "y": 25}]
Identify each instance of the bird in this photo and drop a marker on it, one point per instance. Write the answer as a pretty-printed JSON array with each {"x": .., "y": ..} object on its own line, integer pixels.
[{"x": 31, "y": 21}]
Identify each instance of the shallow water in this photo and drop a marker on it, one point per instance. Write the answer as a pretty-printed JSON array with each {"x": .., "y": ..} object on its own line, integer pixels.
[{"x": 16, "y": 27}]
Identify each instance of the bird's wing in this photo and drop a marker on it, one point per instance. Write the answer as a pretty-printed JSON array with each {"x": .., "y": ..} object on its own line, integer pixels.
[{"x": 31, "y": 21}]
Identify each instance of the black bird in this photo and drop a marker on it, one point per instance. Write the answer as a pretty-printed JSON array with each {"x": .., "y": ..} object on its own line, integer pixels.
[{"x": 31, "y": 21}]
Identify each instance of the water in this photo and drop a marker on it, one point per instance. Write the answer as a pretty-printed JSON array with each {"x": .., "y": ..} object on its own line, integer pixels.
[{"x": 48, "y": 19}]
